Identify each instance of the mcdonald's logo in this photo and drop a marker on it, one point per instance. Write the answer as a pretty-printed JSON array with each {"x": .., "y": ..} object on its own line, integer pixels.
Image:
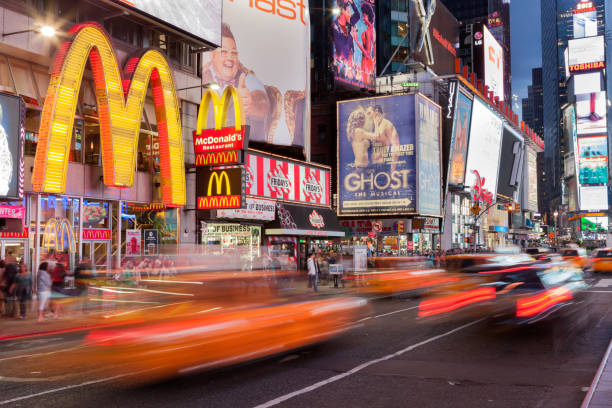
[
  {"x": 120, "y": 100},
  {"x": 216, "y": 158},
  {"x": 57, "y": 234},
  {"x": 221, "y": 137},
  {"x": 222, "y": 188}
]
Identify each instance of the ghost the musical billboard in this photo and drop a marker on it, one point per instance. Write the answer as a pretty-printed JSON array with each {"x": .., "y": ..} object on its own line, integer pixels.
[{"x": 376, "y": 155}]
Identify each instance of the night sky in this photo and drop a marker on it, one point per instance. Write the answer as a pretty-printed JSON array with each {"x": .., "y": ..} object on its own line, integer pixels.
[{"x": 525, "y": 44}]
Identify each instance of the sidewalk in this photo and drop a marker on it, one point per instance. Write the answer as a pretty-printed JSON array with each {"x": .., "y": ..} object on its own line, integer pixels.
[{"x": 600, "y": 392}]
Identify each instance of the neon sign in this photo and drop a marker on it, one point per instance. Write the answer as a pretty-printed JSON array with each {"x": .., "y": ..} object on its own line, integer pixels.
[
  {"x": 479, "y": 192},
  {"x": 58, "y": 235},
  {"x": 120, "y": 99}
]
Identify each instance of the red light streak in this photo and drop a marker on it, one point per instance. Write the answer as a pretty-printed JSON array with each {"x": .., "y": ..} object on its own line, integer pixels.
[
  {"x": 531, "y": 306},
  {"x": 453, "y": 302}
]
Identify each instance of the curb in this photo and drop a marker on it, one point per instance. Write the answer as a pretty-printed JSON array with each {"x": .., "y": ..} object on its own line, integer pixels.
[{"x": 595, "y": 383}]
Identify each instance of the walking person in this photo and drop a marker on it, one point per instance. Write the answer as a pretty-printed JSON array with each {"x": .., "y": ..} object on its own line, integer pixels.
[
  {"x": 313, "y": 271},
  {"x": 24, "y": 288},
  {"x": 10, "y": 289},
  {"x": 44, "y": 284}
]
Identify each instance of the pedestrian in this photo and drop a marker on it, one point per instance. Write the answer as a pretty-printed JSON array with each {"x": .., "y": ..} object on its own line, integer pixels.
[
  {"x": 24, "y": 288},
  {"x": 10, "y": 289},
  {"x": 44, "y": 284},
  {"x": 313, "y": 271}
]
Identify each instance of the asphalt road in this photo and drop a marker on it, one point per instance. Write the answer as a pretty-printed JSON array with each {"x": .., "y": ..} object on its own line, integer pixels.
[{"x": 391, "y": 360}]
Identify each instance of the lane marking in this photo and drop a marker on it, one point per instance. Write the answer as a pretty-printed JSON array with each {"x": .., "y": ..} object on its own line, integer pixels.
[
  {"x": 599, "y": 291},
  {"x": 41, "y": 354},
  {"x": 387, "y": 314},
  {"x": 603, "y": 283},
  {"x": 360, "y": 367}
]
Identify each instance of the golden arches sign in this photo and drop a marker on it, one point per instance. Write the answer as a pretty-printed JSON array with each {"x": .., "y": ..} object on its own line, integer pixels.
[
  {"x": 220, "y": 106},
  {"x": 57, "y": 233},
  {"x": 120, "y": 101}
]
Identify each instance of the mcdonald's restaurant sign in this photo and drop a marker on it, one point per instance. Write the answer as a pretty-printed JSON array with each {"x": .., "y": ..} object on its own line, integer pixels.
[
  {"x": 220, "y": 188},
  {"x": 221, "y": 144},
  {"x": 58, "y": 235},
  {"x": 120, "y": 99}
]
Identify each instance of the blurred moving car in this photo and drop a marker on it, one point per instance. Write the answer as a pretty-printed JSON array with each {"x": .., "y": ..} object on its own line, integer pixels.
[
  {"x": 601, "y": 260},
  {"x": 576, "y": 256},
  {"x": 513, "y": 290},
  {"x": 164, "y": 346}
]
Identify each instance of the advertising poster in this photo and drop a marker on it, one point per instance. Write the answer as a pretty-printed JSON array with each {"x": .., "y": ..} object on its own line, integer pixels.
[
  {"x": 459, "y": 140},
  {"x": 12, "y": 137},
  {"x": 265, "y": 54},
  {"x": 587, "y": 50},
  {"x": 511, "y": 166},
  {"x": 484, "y": 148},
  {"x": 255, "y": 209},
  {"x": 493, "y": 64},
  {"x": 201, "y": 18},
  {"x": 354, "y": 43},
  {"x": 376, "y": 155},
  {"x": 428, "y": 154},
  {"x": 360, "y": 258},
  {"x": 593, "y": 198},
  {"x": 591, "y": 113},
  {"x": 133, "y": 245},
  {"x": 532, "y": 180},
  {"x": 585, "y": 19},
  {"x": 593, "y": 162},
  {"x": 594, "y": 224},
  {"x": 151, "y": 241}
]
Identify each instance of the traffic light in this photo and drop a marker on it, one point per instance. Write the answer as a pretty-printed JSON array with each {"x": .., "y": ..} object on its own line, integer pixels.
[{"x": 400, "y": 227}]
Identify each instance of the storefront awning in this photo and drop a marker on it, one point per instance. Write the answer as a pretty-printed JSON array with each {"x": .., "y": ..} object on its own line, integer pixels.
[{"x": 303, "y": 220}]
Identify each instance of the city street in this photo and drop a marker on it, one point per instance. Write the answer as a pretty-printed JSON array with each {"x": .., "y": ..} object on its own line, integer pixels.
[{"x": 389, "y": 360}]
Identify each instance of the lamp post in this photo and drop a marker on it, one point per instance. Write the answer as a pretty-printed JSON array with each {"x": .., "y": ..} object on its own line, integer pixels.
[{"x": 556, "y": 214}]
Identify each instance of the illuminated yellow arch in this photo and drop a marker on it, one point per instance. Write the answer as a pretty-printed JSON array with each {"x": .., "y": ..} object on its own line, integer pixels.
[
  {"x": 221, "y": 106},
  {"x": 55, "y": 234},
  {"x": 120, "y": 104}
]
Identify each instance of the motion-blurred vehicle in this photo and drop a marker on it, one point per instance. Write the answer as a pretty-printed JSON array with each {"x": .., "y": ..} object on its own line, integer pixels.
[
  {"x": 542, "y": 254},
  {"x": 163, "y": 346},
  {"x": 509, "y": 291},
  {"x": 601, "y": 260},
  {"x": 576, "y": 256},
  {"x": 392, "y": 282}
]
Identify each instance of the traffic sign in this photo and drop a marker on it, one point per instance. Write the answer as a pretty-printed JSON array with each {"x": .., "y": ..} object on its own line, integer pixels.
[{"x": 475, "y": 209}]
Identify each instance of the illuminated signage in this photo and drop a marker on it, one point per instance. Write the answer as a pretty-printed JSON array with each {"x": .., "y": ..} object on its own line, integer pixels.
[
  {"x": 120, "y": 100},
  {"x": 15, "y": 235},
  {"x": 93, "y": 234},
  {"x": 584, "y": 7},
  {"x": 316, "y": 220},
  {"x": 217, "y": 158},
  {"x": 587, "y": 67},
  {"x": 479, "y": 193},
  {"x": 222, "y": 188},
  {"x": 493, "y": 64},
  {"x": 411, "y": 84},
  {"x": 586, "y": 53},
  {"x": 58, "y": 235},
  {"x": 7, "y": 211}
]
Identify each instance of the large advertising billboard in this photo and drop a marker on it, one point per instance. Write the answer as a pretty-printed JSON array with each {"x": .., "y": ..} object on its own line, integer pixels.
[
  {"x": 459, "y": 139},
  {"x": 586, "y": 54},
  {"x": 593, "y": 161},
  {"x": 532, "y": 180},
  {"x": 265, "y": 54},
  {"x": 493, "y": 63},
  {"x": 202, "y": 18},
  {"x": 591, "y": 113},
  {"x": 376, "y": 156},
  {"x": 436, "y": 36},
  {"x": 511, "y": 165},
  {"x": 12, "y": 136},
  {"x": 593, "y": 198},
  {"x": 484, "y": 147},
  {"x": 585, "y": 19},
  {"x": 429, "y": 132},
  {"x": 354, "y": 43}
]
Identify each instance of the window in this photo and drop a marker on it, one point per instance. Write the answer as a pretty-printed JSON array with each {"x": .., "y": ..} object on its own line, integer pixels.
[
  {"x": 92, "y": 144},
  {"x": 124, "y": 30},
  {"x": 32, "y": 123},
  {"x": 144, "y": 152},
  {"x": 76, "y": 147}
]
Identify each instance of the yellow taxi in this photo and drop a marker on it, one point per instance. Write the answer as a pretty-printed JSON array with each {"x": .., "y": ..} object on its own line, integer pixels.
[
  {"x": 602, "y": 260},
  {"x": 575, "y": 256}
]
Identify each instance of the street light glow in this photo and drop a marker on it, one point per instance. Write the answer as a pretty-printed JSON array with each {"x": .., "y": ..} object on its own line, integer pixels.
[
  {"x": 336, "y": 11},
  {"x": 47, "y": 31}
]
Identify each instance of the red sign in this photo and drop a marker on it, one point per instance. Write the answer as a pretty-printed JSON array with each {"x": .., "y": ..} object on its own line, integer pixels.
[
  {"x": 7, "y": 211},
  {"x": 371, "y": 234},
  {"x": 479, "y": 193},
  {"x": 216, "y": 140},
  {"x": 219, "y": 202},
  {"x": 377, "y": 226},
  {"x": 316, "y": 220},
  {"x": 21, "y": 235},
  {"x": 410, "y": 246},
  {"x": 217, "y": 158},
  {"x": 587, "y": 67},
  {"x": 95, "y": 234},
  {"x": 584, "y": 7}
]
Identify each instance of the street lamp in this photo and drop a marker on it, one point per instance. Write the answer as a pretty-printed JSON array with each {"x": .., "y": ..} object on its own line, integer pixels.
[
  {"x": 556, "y": 214},
  {"x": 45, "y": 30}
]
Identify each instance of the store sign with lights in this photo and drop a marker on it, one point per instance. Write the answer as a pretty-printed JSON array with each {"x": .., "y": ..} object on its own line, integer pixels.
[
  {"x": 58, "y": 235},
  {"x": 120, "y": 99}
]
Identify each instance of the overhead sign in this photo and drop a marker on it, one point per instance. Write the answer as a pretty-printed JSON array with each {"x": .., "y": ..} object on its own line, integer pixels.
[
  {"x": 586, "y": 54},
  {"x": 95, "y": 234},
  {"x": 12, "y": 138},
  {"x": 265, "y": 55},
  {"x": 216, "y": 140},
  {"x": 58, "y": 235},
  {"x": 219, "y": 158},
  {"x": 119, "y": 115},
  {"x": 585, "y": 19},
  {"x": 376, "y": 155},
  {"x": 255, "y": 209},
  {"x": 8, "y": 211},
  {"x": 484, "y": 147},
  {"x": 283, "y": 179},
  {"x": 511, "y": 165},
  {"x": 220, "y": 188},
  {"x": 201, "y": 19}
]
